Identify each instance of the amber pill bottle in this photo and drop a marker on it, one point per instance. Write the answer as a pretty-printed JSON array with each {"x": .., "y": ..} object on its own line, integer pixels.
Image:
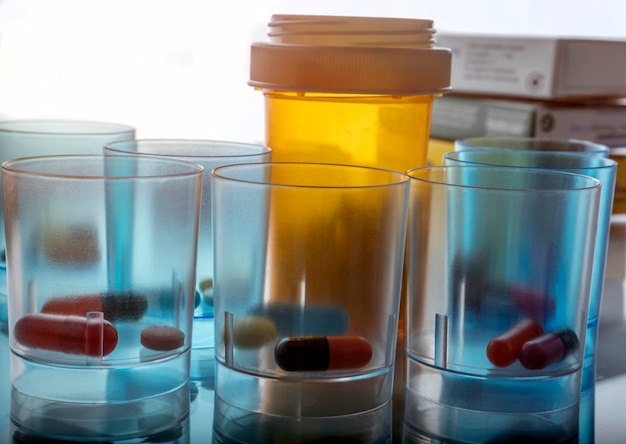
[
  {"x": 347, "y": 90},
  {"x": 354, "y": 90}
]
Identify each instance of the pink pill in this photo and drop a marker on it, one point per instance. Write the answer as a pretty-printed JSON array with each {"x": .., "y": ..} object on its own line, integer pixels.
[{"x": 162, "y": 338}]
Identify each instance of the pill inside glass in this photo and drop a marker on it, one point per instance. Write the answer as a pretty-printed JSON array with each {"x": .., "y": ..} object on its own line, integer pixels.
[{"x": 101, "y": 280}]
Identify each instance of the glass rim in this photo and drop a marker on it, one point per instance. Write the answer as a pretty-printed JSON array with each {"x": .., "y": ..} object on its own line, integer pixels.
[
  {"x": 261, "y": 150},
  {"x": 400, "y": 177},
  {"x": 13, "y": 166},
  {"x": 591, "y": 182},
  {"x": 601, "y": 162},
  {"x": 23, "y": 127},
  {"x": 492, "y": 141}
]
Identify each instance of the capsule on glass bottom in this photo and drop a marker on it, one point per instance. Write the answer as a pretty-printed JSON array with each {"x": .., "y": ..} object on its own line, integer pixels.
[
  {"x": 548, "y": 349},
  {"x": 66, "y": 334},
  {"x": 504, "y": 350},
  {"x": 116, "y": 306},
  {"x": 321, "y": 353}
]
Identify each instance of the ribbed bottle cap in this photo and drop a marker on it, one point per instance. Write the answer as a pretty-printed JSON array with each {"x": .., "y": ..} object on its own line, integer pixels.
[{"x": 362, "y": 55}]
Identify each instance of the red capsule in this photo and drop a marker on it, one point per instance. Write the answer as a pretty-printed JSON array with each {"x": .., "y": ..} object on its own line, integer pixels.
[
  {"x": 321, "y": 353},
  {"x": 548, "y": 349},
  {"x": 67, "y": 334},
  {"x": 505, "y": 349}
]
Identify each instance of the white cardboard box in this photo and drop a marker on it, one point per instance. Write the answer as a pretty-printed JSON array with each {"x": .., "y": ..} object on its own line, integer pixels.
[
  {"x": 536, "y": 67},
  {"x": 456, "y": 116}
]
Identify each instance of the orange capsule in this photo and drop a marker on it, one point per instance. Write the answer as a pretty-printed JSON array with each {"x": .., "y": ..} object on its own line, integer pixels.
[
  {"x": 66, "y": 334},
  {"x": 504, "y": 350},
  {"x": 321, "y": 353}
]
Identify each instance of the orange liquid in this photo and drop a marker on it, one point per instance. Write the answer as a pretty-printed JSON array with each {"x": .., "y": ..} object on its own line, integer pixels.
[
  {"x": 372, "y": 130},
  {"x": 380, "y": 131}
]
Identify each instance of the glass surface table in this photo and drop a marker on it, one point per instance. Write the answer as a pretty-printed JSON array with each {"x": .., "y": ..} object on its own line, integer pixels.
[{"x": 204, "y": 412}]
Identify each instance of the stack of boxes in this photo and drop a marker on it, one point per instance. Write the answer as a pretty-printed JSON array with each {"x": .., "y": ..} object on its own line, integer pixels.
[{"x": 547, "y": 87}]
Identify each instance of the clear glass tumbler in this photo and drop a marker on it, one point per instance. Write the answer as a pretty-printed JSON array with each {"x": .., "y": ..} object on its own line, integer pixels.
[
  {"x": 83, "y": 341},
  {"x": 500, "y": 270},
  {"x": 21, "y": 138},
  {"x": 578, "y": 157},
  {"x": 322, "y": 342},
  {"x": 210, "y": 154}
]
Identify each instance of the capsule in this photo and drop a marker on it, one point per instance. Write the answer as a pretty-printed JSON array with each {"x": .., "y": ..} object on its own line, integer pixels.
[
  {"x": 548, "y": 349},
  {"x": 305, "y": 320},
  {"x": 321, "y": 353},
  {"x": 504, "y": 350},
  {"x": 116, "y": 306},
  {"x": 66, "y": 334}
]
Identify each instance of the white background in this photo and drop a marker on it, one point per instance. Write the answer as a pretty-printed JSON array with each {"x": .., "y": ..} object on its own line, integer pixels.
[{"x": 179, "y": 68}]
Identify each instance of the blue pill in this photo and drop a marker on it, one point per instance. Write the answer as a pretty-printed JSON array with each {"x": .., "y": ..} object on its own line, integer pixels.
[
  {"x": 197, "y": 299},
  {"x": 4, "y": 312},
  {"x": 305, "y": 320}
]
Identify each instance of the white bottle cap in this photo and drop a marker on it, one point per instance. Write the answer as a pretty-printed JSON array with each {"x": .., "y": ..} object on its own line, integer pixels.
[{"x": 351, "y": 55}]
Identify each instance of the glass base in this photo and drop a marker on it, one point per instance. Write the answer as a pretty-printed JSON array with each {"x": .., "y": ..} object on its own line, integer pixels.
[
  {"x": 424, "y": 418},
  {"x": 234, "y": 425},
  {"x": 162, "y": 416},
  {"x": 304, "y": 398},
  {"x": 461, "y": 408}
]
